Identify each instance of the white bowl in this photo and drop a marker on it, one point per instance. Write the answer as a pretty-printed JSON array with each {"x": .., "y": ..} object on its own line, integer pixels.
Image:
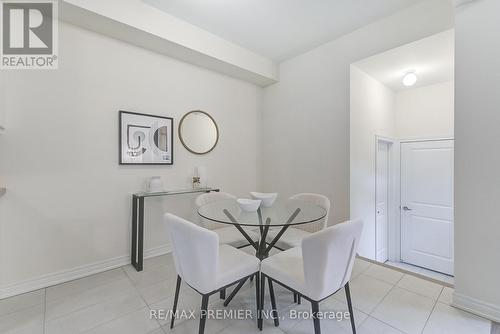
[
  {"x": 266, "y": 198},
  {"x": 249, "y": 205}
]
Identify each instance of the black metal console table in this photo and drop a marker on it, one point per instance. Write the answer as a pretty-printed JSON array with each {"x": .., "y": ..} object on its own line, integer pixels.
[{"x": 138, "y": 220}]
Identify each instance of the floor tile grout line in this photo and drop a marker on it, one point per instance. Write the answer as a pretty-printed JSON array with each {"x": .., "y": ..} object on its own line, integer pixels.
[
  {"x": 420, "y": 294},
  {"x": 385, "y": 296},
  {"x": 23, "y": 309},
  {"x": 392, "y": 326},
  {"x": 135, "y": 287},
  {"x": 367, "y": 267},
  {"x": 371, "y": 313},
  {"x": 358, "y": 325},
  {"x": 99, "y": 285},
  {"x": 141, "y": 296},
  {"x": 149, "y": 306},
  {"x": 44, "y": 308},
  {"x": 79, "y": 279},
  {"x": 381, "y": 280},
  {"x": 395, "y": 286},
  {"x": 430, "y": 314},
  {"x": 354, "y": 309},
  {"x": 107, "y": 321},
  {"x": 442, "y": 291},
  {"x": 387, "y": 324},
  {"x": 113, "y": 319},
  {"x": 86, "y": 307}
]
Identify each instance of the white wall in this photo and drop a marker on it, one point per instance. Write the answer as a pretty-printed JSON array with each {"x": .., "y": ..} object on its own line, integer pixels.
[
  {"x": 477, "y": 158},
  {"x": 425, "y": 112},
  {"x": 68, "y": 202},
  {"x": 372, "y": 114},
  {"x": 306, "y": 114}
]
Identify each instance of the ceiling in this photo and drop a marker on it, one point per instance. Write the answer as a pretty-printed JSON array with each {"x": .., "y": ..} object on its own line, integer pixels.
[
  {"x": 432, "y": 59},
  {"x": 280, "y": 29}
]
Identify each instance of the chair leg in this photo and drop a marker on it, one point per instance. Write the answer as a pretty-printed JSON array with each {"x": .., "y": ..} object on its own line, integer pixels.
[
  {"x": 273, "y": 302},
  {"x": 262, "y": 289},
  {"x": 176, "y": 299},
  {"x": 349, "y": 305},
  {"x": 315, "y": 310},
  {"x": 223, "y": 294},
  {"x": 257, "y": 297},
  {"x": 294, "y": 297},
  {"x": 299, "y": 299},
  {"x": 203, "y": 315},
  {"x": 234, "y": 292}
]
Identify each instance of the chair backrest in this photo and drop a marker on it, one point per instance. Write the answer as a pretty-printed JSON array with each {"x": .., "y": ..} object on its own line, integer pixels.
[
  {"x": 317, "y": 199},
  {"x": 196, "y": 253},
  {"x": 329, "y": 257},
  {"x": 211, "y": 198}
]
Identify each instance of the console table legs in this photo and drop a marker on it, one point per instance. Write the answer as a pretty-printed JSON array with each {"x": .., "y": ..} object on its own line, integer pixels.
[
  {"x": 137, "y": 249},
  {"x": 137, "y": 232}
]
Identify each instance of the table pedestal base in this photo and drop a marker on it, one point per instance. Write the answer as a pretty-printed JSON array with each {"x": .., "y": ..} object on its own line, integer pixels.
[{"x": 262, "y": 249}]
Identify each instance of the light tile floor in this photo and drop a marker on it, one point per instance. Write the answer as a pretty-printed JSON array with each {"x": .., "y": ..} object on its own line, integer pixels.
[{"x": 119, "y": 301}]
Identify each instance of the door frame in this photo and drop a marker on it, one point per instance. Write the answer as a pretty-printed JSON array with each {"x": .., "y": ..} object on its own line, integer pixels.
[
  {"x": 398, "y": 230},
  {"x": 392, "y": 195},
  {"x": 394, "y": 192}
]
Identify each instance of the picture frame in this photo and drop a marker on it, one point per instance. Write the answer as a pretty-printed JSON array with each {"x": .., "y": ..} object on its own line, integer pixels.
[{"x": 145, "y": 139}]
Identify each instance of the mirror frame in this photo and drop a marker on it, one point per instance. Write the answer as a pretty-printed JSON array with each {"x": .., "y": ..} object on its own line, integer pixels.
[{"x": 179, "y": 132}]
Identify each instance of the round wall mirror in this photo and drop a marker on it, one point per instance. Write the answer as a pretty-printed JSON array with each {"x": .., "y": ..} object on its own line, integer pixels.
[{"x": 198, "y": 132}]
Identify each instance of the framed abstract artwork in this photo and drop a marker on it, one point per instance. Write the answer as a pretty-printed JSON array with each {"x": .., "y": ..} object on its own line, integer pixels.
[{"x": 145, "y": 139}]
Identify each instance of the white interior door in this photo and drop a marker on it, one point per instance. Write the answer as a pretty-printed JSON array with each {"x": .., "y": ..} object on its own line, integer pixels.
[
  {"x": 427, "y": 204},
  {"x": 382, "y": 199}
]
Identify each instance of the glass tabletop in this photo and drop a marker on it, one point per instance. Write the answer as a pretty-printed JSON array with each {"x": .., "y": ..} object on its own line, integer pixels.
[{"x": 292, "y": 212}]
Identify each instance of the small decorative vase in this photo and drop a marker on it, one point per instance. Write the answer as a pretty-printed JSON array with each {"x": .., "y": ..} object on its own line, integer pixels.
[
  {"x": 201, "y": 174},
  {"x": 155, "y": 184}
]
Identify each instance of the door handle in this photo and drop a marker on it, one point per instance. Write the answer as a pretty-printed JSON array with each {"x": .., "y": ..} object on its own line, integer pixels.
[{"x": 405, "y": 208}]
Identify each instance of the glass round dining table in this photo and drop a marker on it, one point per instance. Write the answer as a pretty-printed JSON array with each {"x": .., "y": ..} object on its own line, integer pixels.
[{"x": 281, "y": 215}]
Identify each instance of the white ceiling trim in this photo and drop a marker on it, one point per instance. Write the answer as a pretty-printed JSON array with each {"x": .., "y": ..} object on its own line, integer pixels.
[{"x": 143, "y": 25}]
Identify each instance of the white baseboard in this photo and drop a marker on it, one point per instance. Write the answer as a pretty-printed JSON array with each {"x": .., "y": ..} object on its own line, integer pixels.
[
  {"x": 156, "y": 251},
  {"x": 63, "y": 276},
  {"x": 476, "y": 306}
]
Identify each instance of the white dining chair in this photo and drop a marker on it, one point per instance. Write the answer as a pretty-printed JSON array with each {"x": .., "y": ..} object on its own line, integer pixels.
[
  {"x": 316, "y": 270},
  {"x": 204, "y": 264},
  {"x": 228, "y": 234},
  {"x": 294, "y": 235}
]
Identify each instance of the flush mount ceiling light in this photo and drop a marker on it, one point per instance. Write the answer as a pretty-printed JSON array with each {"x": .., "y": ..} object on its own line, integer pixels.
[{"x": 410, "y": 78}]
